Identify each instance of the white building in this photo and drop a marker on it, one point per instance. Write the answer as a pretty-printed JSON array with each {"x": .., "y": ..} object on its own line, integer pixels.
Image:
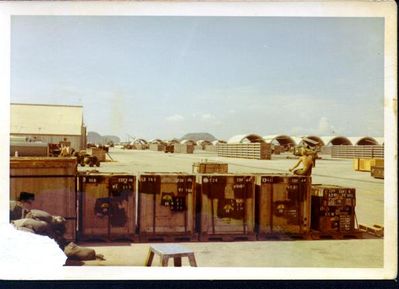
[{"x": 49, "y": 123}]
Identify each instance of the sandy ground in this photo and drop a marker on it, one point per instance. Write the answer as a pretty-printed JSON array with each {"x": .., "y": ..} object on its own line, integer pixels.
[{"x": 353, "y": 253}]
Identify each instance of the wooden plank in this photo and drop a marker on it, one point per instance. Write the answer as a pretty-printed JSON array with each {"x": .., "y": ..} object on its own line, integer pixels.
[
  {"x": 334, "y": 235},
  {"x": 375, "y": 230},
  {"x": 233, "y": 237},
  {"x": 168, "y": 237},
  {"x": 49, "y": 165}
]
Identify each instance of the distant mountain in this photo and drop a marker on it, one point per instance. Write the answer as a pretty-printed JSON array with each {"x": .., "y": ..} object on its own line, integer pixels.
[
  {"x": 95, "y": 138},
  {"x": 113, "y": 138},
  {"x": 196, "y": 136}
]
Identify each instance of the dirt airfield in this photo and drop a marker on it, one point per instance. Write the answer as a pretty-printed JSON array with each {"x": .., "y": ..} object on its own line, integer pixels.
[{"x": 347, "y": 253}]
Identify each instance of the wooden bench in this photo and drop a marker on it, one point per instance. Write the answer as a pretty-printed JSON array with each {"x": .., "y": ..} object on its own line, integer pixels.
[{"x": 166, "y": 251}]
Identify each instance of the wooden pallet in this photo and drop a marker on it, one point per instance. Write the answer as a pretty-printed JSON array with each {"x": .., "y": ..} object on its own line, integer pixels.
[
  {"x": 107, "y": 238},
  {"x": 283, "y": 236},
  {"x": 335, "y": 235},
  {"x": 375, "y": 230},
  {"x": 168, "y": 238},
  {"x": 204, "y": 237},
  {"x": 93, "y": 238}
]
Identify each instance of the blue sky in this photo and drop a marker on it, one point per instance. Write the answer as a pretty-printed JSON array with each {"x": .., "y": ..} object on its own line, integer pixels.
[{"x": 162, "y": 77}]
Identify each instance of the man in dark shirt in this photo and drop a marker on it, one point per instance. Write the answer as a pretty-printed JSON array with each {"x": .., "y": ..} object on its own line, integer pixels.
[{"x": 19, "y": 208}]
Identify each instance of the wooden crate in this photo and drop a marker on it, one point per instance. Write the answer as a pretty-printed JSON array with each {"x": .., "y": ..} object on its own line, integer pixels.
[
  {"x": 107, "y": 206},
  {"x": 29, "y": 149},
  {"x": 53, "y": 181},
  {"x": 183, "y": 148},
  {"x": 260, "y": 151},
  {"x": 156, "y": 147},
  {"x": 282, "y": 204},
  {"x": 210, "y": 168},
  {"x": 377, "y": 172},
  {"x": 364, "y": 165},
  {"x": 355, "y": 164},
  {"x": 139, "y": 146},
  {"x": 225, "y": 206},
  {"x": 166, "y": 206},
  {"x": 99, "y": 153},
  {"x": 357, "y": 151},
  {"x": 210, "y": 148},
  {"x": 333, "y": 208}
]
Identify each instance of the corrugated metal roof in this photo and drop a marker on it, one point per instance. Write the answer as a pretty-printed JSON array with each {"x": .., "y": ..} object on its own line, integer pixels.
[
  {"x": 285, "y": 138},
  {"x": 188, "y": 141},
  {"x": 245, "y": 138},
  {"x": 368, "y": 140},
  {"x": 316, "y": 138},
  {"x": 329, "y": 139},
  {"x": 297, "y": 139},
  {"x": 269, "y": 138},
  {"x": 218, "y": 141},
  {"x": 46, "y": 119},
  {"x": 203, "y": 142}
]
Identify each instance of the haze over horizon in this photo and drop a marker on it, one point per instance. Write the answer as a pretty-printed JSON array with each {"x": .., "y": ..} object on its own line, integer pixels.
[{"x": 163, "y": 77}]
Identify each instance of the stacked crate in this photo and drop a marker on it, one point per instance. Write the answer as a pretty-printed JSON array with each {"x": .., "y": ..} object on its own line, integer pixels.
[
  {"x": 226, "y": 207},
  {"x": 156, "y": 147},
  {"x": 210, "y": 148},
  {"x": 107, "y": 206},
  {"x": 99, "y": 153},
  {"x": 282, "y": 205},
  {"x": 210, "y": 168},
  {"x": 357, "y": 151},
  {"x": 333, "y": 209},
  {"x": 260, "y": 151},
  {"x": 183, "y": 148},
  {"x": 166, "y": 209},
  {"x": 53, "y": 181},
  {"x": 365, "y": 165},
  {"x": 139, "y": 146}
]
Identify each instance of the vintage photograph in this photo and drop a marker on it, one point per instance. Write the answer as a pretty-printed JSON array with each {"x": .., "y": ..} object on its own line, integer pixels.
[{"x": 215, "y": 140}]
